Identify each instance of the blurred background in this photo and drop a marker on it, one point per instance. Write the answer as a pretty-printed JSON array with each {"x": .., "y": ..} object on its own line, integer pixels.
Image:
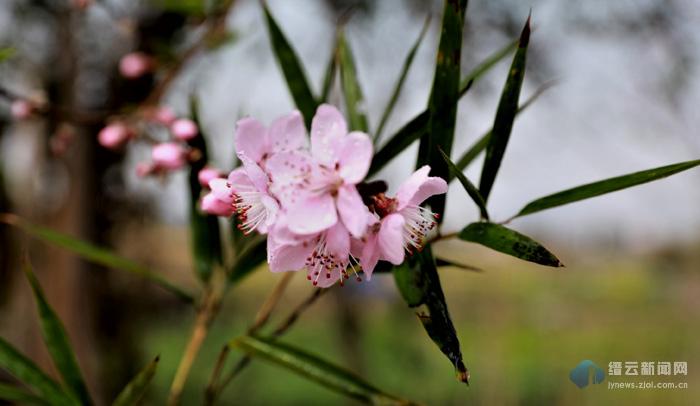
[{"x": 625, "y": 99}]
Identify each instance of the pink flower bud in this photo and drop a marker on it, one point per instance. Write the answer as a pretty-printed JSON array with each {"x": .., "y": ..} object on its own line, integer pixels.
[
  {"x": 21, "y": 109},
  {"x": 114, "y": 136},
  {"x": 164, "y": 115},
  {"x": 184, "y": 129},
  {"x": 212, "y": 205},
  {"x": 144, "y": 169},
  {"x": 169, "y": 155},
  {"x": 135, "y": 65},
  {"x": 207, "y": 174}
]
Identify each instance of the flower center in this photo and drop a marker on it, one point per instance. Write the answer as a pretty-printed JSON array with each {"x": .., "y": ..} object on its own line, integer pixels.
[
  {"x": 322, "y": 263},
  {"x": 383, "y": 205},
  {"x": 250, "y": 208},
  {"x": 419, "y": 221}
]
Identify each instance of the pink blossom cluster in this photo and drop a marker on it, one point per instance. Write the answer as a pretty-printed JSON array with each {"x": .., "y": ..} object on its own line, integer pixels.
[
  {"x": 304, "y": 196},
  {"x": 165, "y": 156}
]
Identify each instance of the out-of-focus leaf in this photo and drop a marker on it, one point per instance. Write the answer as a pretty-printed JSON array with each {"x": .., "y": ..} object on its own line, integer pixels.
[
  {"x": 354, "y": 100},
  {"x": 6, "y": 53},
  {"x": 471, "y": 190},
  {"x": 137, "y": 387},
  {"x": 292, "y": 69},
  {"x": 253, "y": 254},
  {"x": 605, "y": 186},
  {"x": 204, "y": 228},
  {"x": 486, "y": 65},
  {"x": 331, "y": 69},
  {"x": 57, "y": 342},
  {"x": 194, "y": 8},
  {"x": 505, "y": 115},
  {"x": 315, "y": 369},
  {"x": 20, "y": 396},
  {"x": 402, "y": 78},
  {"x": 28, "y": 373},
  {"x": 507, "y": 241},
  {"x": 480, "y": 145},
  {"x": 93, "y": 253},
  {"x": 400, "y": 141},
  {"x": 440, "y": 262},
  {"x": 442, "y": 105},
  {"x": 419, "y": 284}
]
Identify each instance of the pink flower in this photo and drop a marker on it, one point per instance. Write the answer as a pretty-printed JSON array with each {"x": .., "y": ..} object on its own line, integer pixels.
[
  {"x": 325, "y": 255},
  {"x": 169, "y": 155},
  {"x": 184, "y": 129},
  {"x": 401, "y": 224},
  {"x": 164, "y": 115},
  {"x": 219, "y": 201},
  {"x": 21, "y": 109},
  {"x": 258, "y": 143},
  {"x": 114, "y": 135},
  {"x": 135, "y": 64},
  {"x": 319, "y": 188},
  {"x": 207, "y": 174}
]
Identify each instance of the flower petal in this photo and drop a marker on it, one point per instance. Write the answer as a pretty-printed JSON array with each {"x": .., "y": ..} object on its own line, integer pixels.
[
  {"x": 312, "y": 215},
  {"x": 288, "y": 172},
  {"x": 418, "y": 187},
  {"x": 257, "y": 176},
  {"x": 288, "y": 133},
  {"x": 221, "y": 189},
  {"x": 327, "y": 126},
  {"x": 284, "y": 257},
  {"x": 352, "y": 210},
  {"x": 370, "y": 255},
  {"x": 338, "y": 241},
  {"x": 323, "y": 280},
  {"x": 251, "y": 139},
  {"x": 212, "y": 205},
  {"x": 390, "y": 239},
  {"x": 354, "y": 155}
]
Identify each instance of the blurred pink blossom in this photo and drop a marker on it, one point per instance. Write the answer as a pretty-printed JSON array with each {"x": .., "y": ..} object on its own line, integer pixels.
[
  {"x": 169, "y": 155},
  {"x": 114, "y": 135},
  {"x": 164, "y": 115},
  {"x": 21, "y": 109},
  {"x": 135, "y": 64},
  {"x": 184, "y": 129},
  {"x": 207, "y": 174}
]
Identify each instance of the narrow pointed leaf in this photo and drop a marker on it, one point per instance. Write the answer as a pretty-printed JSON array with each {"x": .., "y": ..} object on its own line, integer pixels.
[
  {"x": 511, "y": 242},
  {"x": 354, "y": 100},
  {"x": 481, "y": 144},
  {"x": 442, "y": 105},
  {"x": 315, "y": 369},
  {"x": 204, "y": 228},
  {"x": 400, "y": 141},
  {"x": 93, "y": 253},
  {"x": 471, "y": 190},
  {"x": 486, "y": 66},
  {"x": 19, "y": 396},
  {"x": 137, "y": 387},
  {"x": 56, "y": 340},
  {"x": 402, "y": 78},
  {"x": 418, "y": 281},
  {"x": 253, "y": 254},
  {"x": 505, "y": 115},
  {"x": 291, "y": 68},
  {"x": 331, "y": 70},
  {"x": 28, "y": 373},
  {"x": 605, "y": 186}
]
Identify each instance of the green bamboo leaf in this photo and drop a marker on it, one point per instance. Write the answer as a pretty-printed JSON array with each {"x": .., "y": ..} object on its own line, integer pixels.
[
  {"x": 137, "y": 387},
  {"x": 56, "y": 340},
  {"x": 204, "y": 228},
  {"x": 402, "y": 78},
  {"x": 471, "y": 190},
  {"x": 354, "y": 100},
  {"x": 444, "y": 96},
  {"x": 331, "y": 69},
  {"x": 315, "y": 369},
  {"x": 28, "y": 373},
  {"x": 481, "y": 144},
  {"x": 92, "y": 253},
  {"x": 418, "y": 281},
  {"x": 507, "y": 241},
  {"x": 292, "y": 69},
  {"x": 251, "y": 255},
  {"x": 20, "y": 396},
  {"x": 505, "y": 115},
  {"x": 605, "y": 186},
  {"x": 486, "y": 66},
  {"x": 400, "y": 141}
]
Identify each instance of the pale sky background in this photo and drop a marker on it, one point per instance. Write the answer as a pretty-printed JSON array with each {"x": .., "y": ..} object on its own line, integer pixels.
[{"x": 609, "y": 114}]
